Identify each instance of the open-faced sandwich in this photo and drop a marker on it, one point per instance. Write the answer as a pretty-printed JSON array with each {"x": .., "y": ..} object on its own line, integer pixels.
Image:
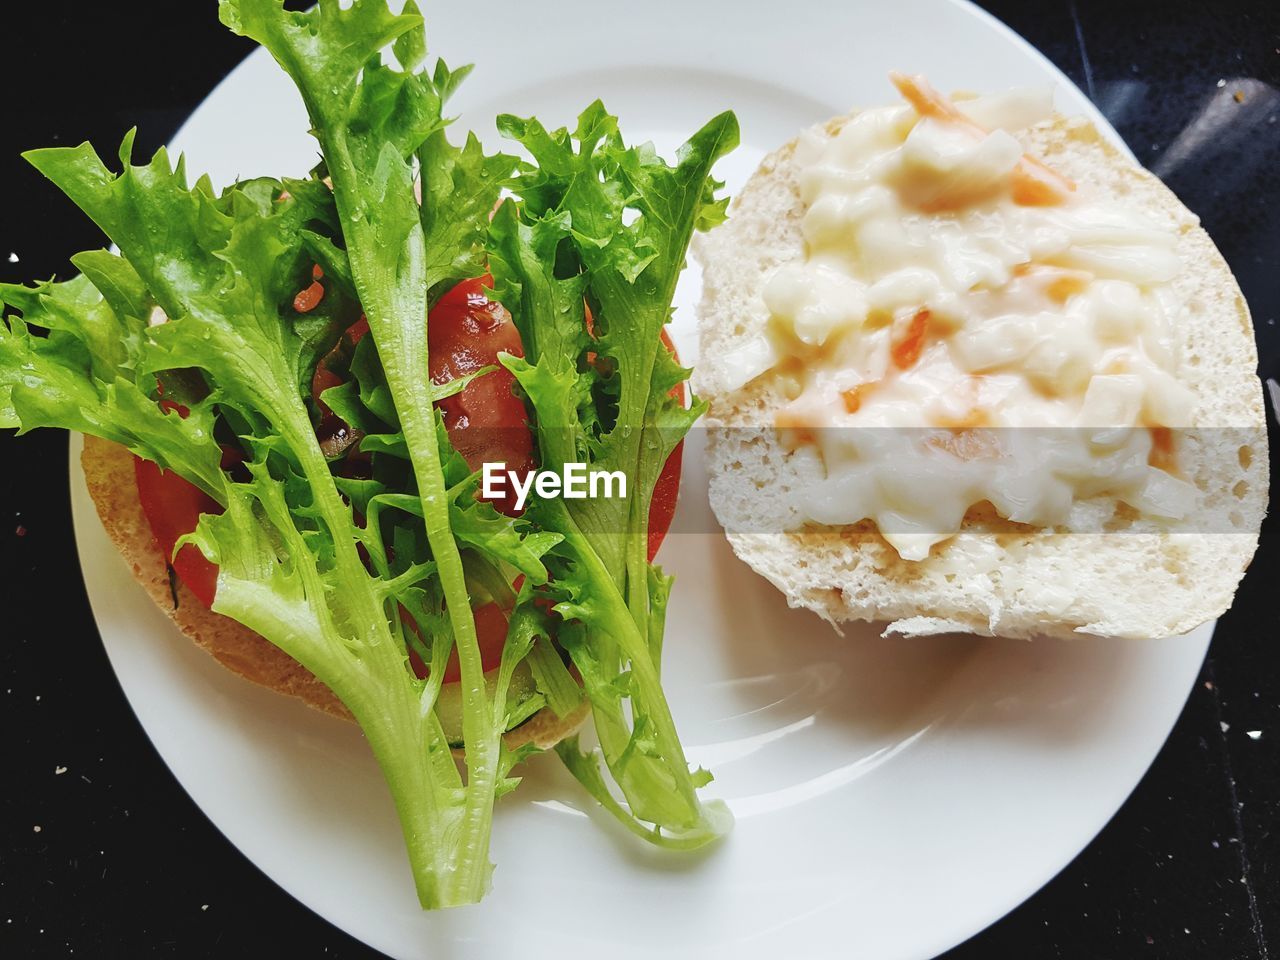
[
  {"x": 146, "y": 511},
  {"x": 293, "y": 392},
  {"x": 993, "y": 375}
]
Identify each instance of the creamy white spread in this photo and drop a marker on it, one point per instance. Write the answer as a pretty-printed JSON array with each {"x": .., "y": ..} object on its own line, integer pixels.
[{"x": 948, "y": 341}]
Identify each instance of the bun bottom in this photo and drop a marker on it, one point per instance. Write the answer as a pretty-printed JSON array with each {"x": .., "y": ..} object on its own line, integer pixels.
[{"x": 109, "y": 475}]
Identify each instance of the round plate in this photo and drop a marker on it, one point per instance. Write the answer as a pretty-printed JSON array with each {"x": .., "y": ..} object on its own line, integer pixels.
[{"x": 893, "y": 796}]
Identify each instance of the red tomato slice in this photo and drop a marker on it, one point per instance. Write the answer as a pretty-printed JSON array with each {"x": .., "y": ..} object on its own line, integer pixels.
[
  {"x": 486, "y": 423},
  {"x": 491, "y": 636},
  {"x": 666, "y": 489},
  {"x": 662, "y": 508},
  {"x": 172, "y": 507}
]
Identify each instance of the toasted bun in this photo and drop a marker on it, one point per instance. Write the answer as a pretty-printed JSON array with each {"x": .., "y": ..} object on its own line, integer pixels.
[
  {"x": 109, "y": 475},
  {"x": 994, "y": 577}
]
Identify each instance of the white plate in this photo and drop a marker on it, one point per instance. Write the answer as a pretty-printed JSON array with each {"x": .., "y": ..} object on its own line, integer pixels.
[{"x": 893, "y": 797}]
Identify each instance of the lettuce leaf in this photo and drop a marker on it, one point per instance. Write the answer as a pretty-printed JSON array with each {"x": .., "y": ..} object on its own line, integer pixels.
[
  {"x": 608, "y": 225},
  {"x": 369, "y": 118},
  {"x": 460, "y": 187}
]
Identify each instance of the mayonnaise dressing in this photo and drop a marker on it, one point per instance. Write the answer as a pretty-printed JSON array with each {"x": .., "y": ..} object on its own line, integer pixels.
[{"x": 954, "y": 342}]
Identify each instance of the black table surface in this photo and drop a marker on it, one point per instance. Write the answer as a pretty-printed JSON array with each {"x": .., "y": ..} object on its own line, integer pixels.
[{"x": 104, "y": 855}]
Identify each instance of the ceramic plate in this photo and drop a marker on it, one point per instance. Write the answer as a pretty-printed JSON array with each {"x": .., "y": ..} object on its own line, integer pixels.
[{"x": 893, "y": 796}]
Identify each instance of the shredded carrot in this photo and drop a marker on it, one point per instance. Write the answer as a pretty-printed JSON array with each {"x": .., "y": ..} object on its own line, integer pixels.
[
  {"x": 1034, "y": 183},
  {"x": 928, "y": 102},
  {"x": 852, "y": 398},
  {"x": 308, "y": 299},
  {"x": 1063, "y": 288},
  {"x": 906, "y": 351},
  {"x": 1060, "y": 283},
  {"x": 1162, "y": 452},
  {"x": 802, "y": 429}
]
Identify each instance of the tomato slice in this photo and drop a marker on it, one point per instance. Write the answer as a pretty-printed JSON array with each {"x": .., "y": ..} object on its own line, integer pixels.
[
  {"x": 491, "y": 637},
  {"x": 666, "y": 489},
  {"x": 662, "y": 508},
  {"x": 172, "y": 507},
  {"x": 486, "y": 422}
]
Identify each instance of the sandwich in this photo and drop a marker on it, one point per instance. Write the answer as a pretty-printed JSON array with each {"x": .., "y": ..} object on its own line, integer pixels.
[
  {"x": 293, "y": 392},
  {"x": 146, "y": 511},
  {"x": 996, "y": 378}
]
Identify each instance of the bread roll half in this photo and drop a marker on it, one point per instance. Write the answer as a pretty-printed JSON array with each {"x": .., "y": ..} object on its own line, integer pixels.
[
  {"x": 109, "y": 475},
  {"x": 994, "y": 577}
]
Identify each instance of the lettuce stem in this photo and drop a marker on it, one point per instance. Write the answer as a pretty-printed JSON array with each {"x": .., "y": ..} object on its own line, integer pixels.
[
  {"x": 369, "y": 118},
  {"x": 635, "y": 649}
]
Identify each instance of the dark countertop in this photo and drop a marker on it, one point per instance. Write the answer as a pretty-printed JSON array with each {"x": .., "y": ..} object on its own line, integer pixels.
[{"x": 104, "y": 855}]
